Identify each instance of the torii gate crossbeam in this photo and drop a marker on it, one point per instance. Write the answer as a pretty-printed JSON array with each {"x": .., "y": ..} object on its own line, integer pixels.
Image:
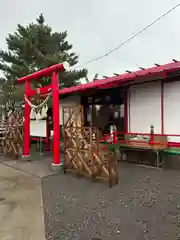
[{"x": 29, "y": 92}]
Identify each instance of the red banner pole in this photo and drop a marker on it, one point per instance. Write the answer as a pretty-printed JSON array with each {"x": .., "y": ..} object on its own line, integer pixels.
[
  {"x": 56, "y": 122},
  {"x": 27, "y": 109}
]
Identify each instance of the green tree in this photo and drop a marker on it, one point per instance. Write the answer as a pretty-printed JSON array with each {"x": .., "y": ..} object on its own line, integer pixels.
[{"x": 34, "y": 47}]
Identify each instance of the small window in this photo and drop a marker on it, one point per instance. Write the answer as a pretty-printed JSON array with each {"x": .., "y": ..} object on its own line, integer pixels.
[
  {"x": 116, "y": 114},
  {"x": 89, "y": 114},
  {"x": 122, "y": 110}
]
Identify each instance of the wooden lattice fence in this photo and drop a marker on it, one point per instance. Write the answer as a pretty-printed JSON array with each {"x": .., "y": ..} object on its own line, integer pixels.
[
  {"x": 84, "y": 154},
  {"x": 11, "y": 134}
]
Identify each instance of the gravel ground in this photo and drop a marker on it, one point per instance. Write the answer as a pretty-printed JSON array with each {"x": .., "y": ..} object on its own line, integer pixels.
[{"x": 145, "y": 205}]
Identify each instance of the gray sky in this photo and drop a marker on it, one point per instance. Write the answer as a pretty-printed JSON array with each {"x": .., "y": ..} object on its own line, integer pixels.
[{"x": 96, "y": 26}]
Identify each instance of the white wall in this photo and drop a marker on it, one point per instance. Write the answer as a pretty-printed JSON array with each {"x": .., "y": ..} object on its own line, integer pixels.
[
  {"x": 144, "y": 107},
  {"x": 69, "y": 101},
  {"x": 172, "y": 110}
]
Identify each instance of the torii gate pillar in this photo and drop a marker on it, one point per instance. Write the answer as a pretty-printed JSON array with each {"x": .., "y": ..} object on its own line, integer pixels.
[
  {"x": 27, "y": 110},
  {"x": 56, "y": 120},
  {"x": 29, "y": 92}
]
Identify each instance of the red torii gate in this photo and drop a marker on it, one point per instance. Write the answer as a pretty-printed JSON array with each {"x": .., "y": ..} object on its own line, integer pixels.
[{"x": 29, "y": 92}]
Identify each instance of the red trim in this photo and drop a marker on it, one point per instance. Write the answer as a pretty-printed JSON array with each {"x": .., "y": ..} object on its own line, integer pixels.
[
  {"x": 173, "y": 144},
  {"x": 160, "y": 71},
  {"x": 140, "y": 83},
  {"x": 114, "y": 136},
  {"x": 156, "y": 134},
  {"x": 162, "y": 107},
  {"x": 126, "y": 110},
  {"x": 129, "y": 112},
  {"x": 172, "y": 79},
  {"x": 142, "y": 134}
]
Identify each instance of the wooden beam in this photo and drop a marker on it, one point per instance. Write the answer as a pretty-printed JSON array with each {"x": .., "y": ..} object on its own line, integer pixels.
[
  {"x": 174, "y": 60},
  {"x": 95, "y": 77},
  {"x": 142, "y": 68}
]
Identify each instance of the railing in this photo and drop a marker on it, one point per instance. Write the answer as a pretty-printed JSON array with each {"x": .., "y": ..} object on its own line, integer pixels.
[
  {"x": 134, "y": 138},
  {"x": 141, "y": 138}
]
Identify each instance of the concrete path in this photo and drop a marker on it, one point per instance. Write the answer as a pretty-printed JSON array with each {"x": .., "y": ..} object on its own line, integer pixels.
[{"x": 21, "y": 209}]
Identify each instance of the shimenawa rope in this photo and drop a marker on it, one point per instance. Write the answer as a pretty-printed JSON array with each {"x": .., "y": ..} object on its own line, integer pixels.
[{"x": 41, "y": 104}]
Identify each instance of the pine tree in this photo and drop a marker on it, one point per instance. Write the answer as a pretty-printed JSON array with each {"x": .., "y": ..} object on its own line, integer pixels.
[{"x": 34, "y": 47}]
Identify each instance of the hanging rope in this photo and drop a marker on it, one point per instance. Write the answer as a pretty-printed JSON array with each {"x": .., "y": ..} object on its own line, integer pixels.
[
  {"x": 41, "y": 104},
  {"x": 34, "y": 114}
]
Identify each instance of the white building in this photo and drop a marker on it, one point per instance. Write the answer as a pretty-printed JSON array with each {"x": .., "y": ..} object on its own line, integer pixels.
[{"x": 149, "y": 97}]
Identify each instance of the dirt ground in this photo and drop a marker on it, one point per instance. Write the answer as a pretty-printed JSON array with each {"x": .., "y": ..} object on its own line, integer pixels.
[{"x": 145, "y": 205}]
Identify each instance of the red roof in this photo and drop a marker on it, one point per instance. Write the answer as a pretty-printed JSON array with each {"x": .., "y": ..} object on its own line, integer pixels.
[{"x": 124, "y": 78}]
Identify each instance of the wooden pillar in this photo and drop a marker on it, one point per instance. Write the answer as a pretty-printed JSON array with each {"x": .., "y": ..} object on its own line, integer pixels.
[
  {"x": 56, "y": 121},
  {"x": 27, "y": 109}
]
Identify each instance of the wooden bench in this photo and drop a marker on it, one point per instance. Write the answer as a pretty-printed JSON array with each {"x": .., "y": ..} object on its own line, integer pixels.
[{"x": 160, "y": 144}]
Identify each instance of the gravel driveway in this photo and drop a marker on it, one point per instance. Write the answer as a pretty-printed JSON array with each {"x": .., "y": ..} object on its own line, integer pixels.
[{"x": 145, "y": 205}]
